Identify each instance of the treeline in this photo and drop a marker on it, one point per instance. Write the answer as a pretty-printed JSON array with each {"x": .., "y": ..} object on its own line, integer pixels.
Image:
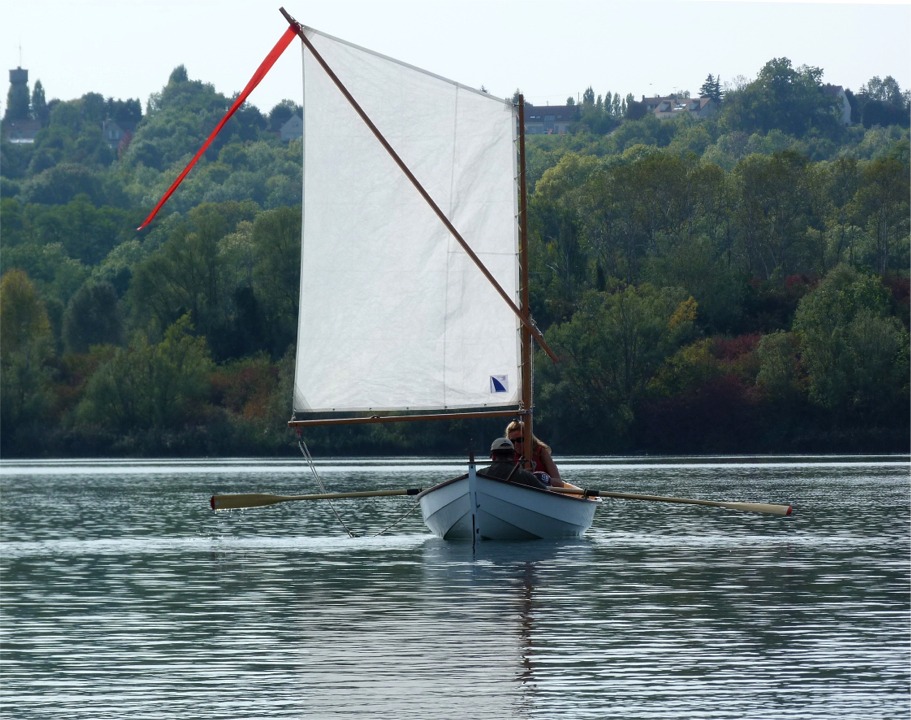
[{"x": 737, "y": 284}]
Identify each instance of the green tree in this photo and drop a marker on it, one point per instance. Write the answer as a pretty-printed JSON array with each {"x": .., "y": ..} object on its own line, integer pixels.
[
  {"x": 62, "y": 183},
  {"x": 14, "y": 231},
  {"x": 881, "y": 207},
  {"x": 26, "y": 351},
  {"x": 609, "y": 351},
  {"x": 855, "y": 355},
  {"x": 642, "y": 206},
  {"x": 243, "y": 329},
  {"x": 161, "y": 386},
  {"x": 185, "y": 276},
  {"x": 72, "y": 135},
  {"x": 700, "y": 266},
  {"x": 117, "y": 268},
  {"x": 841, "y": 179},
  {"x": 779, "y": 376},
  {"x": 56, "y": 274},
  {"x": 692, "y": 137},
  {"x": 774, "y": 211},
  {"x": 559, "y": 264},
  {"x": 40, "y": 110},
  {"x": 276, "y": 274},
  {"x": 711, "y": 88},
  {"x": 87, "y": 231},
  {"x": 882, "y": 102},
  {"x": 92, "y": 317},
  {"x": 254, "y": 393},
  {"x": 126, "y": 112},
  {"x": 783, "y": 98},
  {"x": 14, "y": 163},
  {"x": 178, "y": 120},
  {"x": 648, "y": 130},
  {"x": 701, "y": 399}
]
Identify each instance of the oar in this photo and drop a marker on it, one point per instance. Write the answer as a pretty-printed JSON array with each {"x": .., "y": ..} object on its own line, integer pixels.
[
  {"x": 742, "y": 506},
  {"x": 245, "y": 500}
]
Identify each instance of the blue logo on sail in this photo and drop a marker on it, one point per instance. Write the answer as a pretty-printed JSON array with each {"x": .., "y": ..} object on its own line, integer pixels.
[{"x": 499, "y": 384}]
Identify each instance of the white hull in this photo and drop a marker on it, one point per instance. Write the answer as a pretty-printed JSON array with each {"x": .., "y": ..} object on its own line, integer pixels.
[{"x": 502, "y": 510}]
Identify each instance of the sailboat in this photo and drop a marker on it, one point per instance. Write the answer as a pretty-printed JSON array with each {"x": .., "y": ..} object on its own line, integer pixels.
[
  {"x": 414, "y": 272},
  {"x": 414, "y": 293},
  {"x": 414, "y": 297}
]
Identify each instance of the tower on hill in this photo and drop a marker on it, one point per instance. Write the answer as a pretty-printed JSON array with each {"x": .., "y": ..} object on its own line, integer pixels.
[{"x": 17, "y": 101}]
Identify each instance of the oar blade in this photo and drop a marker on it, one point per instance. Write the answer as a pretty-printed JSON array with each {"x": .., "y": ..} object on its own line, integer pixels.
[
  {"x": 243, "y": 500},
  {"x": 246, "y": 500},
  {"x": 767, "y": 508}
]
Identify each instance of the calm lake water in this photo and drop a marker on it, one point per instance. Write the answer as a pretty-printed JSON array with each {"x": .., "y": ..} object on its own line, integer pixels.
[{"x": 122, "y": 595}]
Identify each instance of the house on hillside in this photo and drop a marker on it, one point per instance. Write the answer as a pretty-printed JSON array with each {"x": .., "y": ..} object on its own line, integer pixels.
[
  {"x": 665, "y": 108},
  {"x": 838, "y": 92},
  {"x": 21, "y": 132},
  {"x": 117, "y": 135},
  {"x": 292, "y": 129},
  {"x": 550, "y": 119}
]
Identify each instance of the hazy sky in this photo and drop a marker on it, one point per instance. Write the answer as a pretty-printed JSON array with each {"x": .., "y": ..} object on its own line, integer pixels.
[{"x": 550, "y": 50}]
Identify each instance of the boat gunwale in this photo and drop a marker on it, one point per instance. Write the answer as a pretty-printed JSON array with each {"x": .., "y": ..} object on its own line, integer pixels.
[{"x": 567, "y": 496}]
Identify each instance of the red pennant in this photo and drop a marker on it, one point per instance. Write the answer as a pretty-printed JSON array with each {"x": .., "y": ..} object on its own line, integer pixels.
[{"x": 260, "y": 73}]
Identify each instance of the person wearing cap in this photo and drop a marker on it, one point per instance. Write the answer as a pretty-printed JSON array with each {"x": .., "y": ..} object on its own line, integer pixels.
[{"x": 504, "y": 466}]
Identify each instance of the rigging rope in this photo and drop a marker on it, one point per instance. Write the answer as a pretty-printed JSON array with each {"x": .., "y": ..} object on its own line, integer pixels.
[
  {"x": 386, "y": 529},
  {"x": 305, "y": 451}
]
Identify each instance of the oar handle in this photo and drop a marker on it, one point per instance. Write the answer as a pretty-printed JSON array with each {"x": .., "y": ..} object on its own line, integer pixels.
[
  {"x": 767, "y": 508},
  {"x": 245, "y": 500}
]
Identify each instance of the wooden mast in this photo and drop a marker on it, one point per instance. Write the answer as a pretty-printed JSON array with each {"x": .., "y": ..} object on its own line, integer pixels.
[{"x": 526, "y": 335}]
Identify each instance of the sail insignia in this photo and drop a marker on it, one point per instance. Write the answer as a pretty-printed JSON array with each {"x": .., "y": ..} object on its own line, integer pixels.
[{"x": 499, "y": 384}]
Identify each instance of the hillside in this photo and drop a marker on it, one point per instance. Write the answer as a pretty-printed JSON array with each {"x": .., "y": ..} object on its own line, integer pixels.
[{"x": 734, "y": 283}]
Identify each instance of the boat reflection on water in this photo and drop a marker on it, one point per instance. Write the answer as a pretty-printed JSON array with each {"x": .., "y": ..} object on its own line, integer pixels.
[
  {"x": 497, "y": 593},
  {"x": 526, "y": 621}
]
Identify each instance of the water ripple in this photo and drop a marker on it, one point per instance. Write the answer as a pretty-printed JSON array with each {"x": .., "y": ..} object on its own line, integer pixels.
[{"x": 124, "y": 596}]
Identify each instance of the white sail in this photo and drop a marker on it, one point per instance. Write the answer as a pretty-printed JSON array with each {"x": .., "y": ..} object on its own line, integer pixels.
[{"x": 394, "y": 315}]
